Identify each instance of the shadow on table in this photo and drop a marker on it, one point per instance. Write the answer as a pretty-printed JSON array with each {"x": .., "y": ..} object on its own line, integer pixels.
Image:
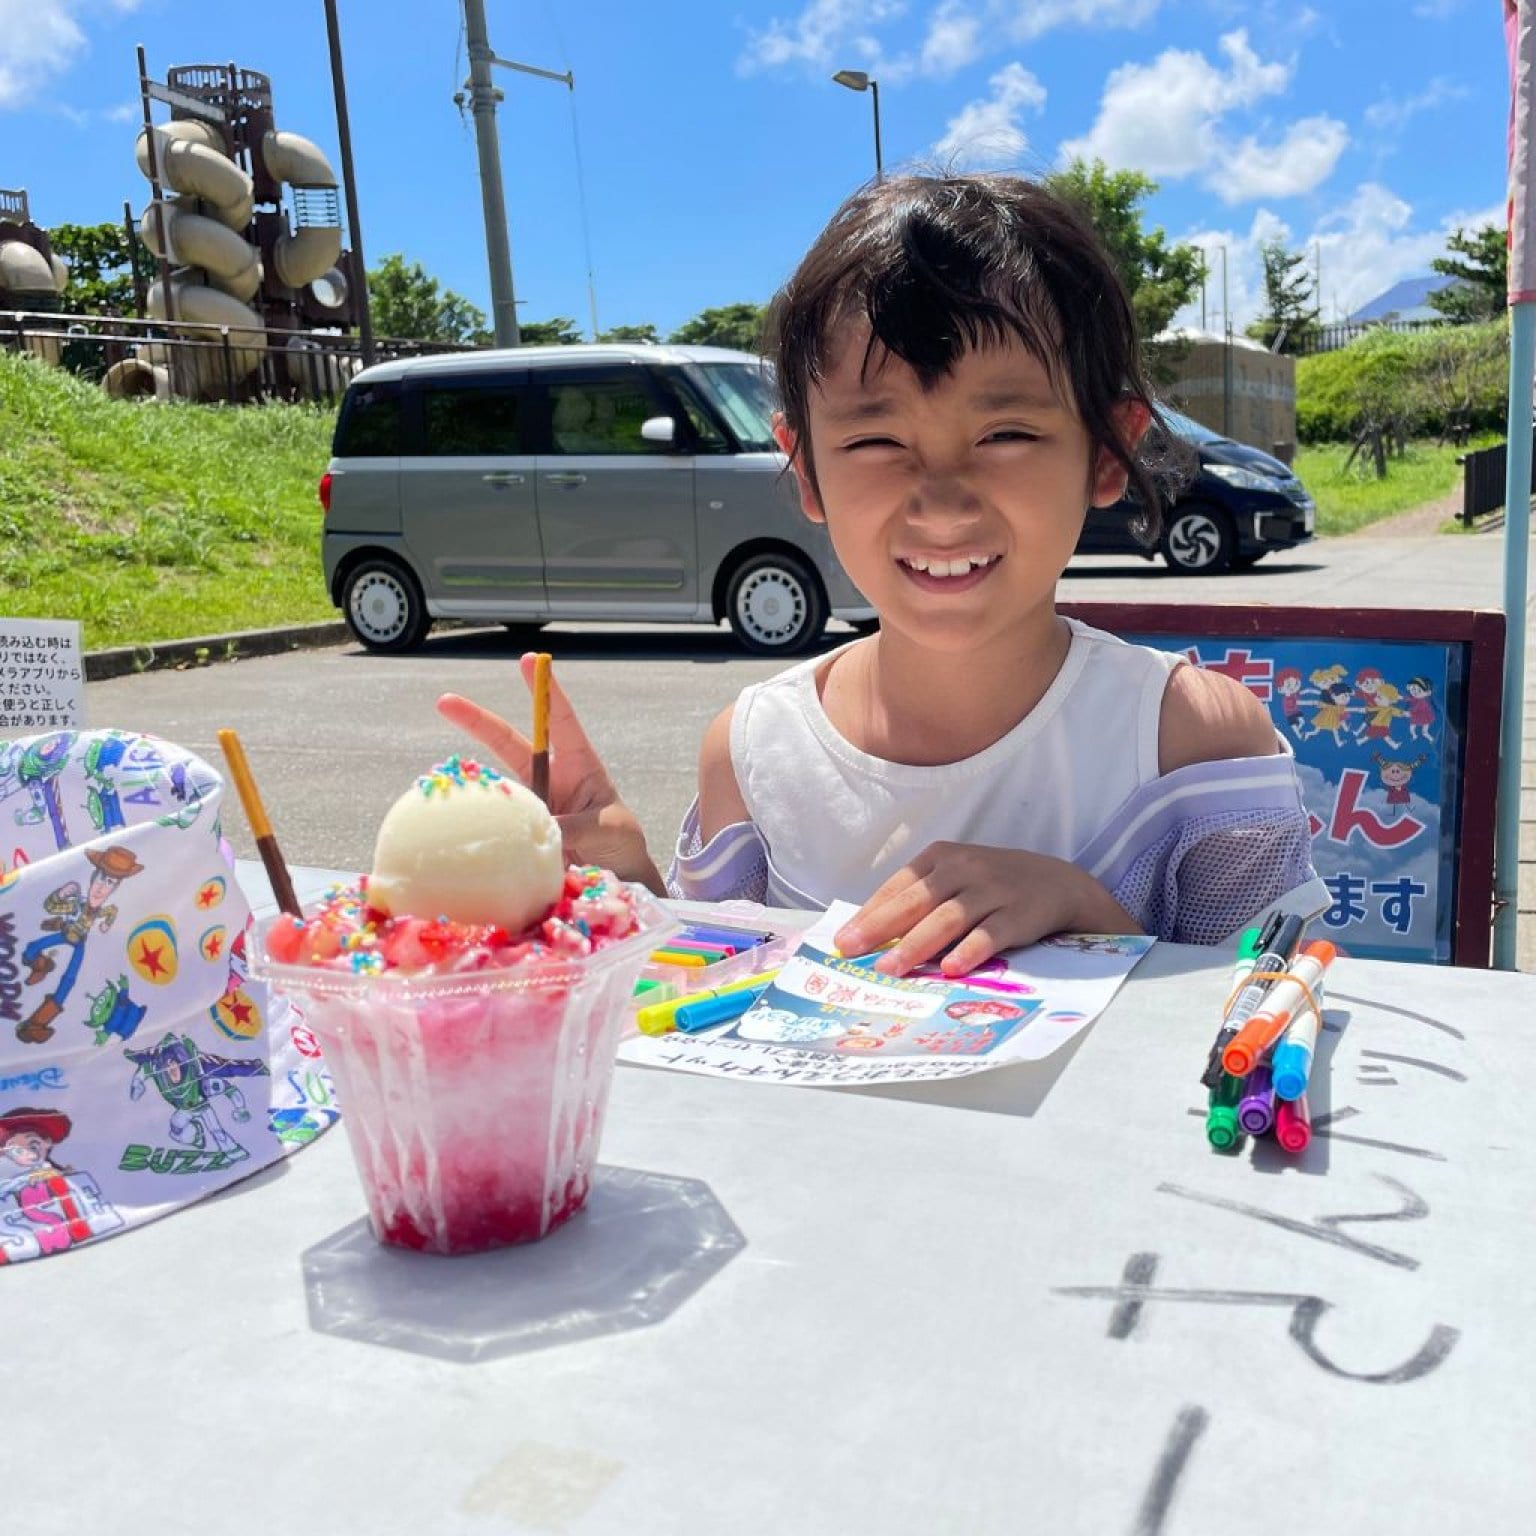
[{"x": 643, "y": 1245}]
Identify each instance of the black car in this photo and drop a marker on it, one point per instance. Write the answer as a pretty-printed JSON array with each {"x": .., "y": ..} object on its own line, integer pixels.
[{"x": 1241, "y": 504}]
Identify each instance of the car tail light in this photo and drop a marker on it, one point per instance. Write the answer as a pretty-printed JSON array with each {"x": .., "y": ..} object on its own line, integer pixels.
[{"x": 325, "y": 491}]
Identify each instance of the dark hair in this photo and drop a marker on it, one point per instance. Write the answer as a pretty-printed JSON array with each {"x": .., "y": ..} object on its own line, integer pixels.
[{"x": 941, "y": 264}]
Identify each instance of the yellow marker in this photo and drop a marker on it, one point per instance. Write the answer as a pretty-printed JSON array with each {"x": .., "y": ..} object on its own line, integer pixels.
[
  {"x": 677, "y": 957},
  {"x": 659, "y": 1018}
]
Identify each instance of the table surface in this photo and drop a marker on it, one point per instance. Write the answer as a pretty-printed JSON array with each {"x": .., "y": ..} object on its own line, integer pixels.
[{"x": 1032, "y": 1300}]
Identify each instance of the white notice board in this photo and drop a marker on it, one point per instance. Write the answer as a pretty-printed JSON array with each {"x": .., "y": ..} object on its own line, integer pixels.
[{"x": 42, "y": 676}]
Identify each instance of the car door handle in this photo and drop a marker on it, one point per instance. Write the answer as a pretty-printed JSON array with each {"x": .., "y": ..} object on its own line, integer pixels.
[
  {"x": 565, "y": 477},
  {"x": 502, "y": 477}
]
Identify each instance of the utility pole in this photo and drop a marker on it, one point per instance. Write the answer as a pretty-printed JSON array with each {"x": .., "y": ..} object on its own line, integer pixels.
[
  {"x": 483, "y": 97},
  {"x": 349, "y": 179}
]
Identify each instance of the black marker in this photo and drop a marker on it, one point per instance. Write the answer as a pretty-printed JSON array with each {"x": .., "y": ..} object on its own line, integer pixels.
[{"x": 1280, "y": 947}]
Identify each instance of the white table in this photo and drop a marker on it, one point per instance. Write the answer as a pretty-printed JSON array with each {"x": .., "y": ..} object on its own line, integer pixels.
[{"x": 880, "y": 1313}]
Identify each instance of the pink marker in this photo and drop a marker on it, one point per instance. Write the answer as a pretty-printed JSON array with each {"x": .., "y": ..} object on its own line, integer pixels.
[{"x": 1293, "y": 1124}]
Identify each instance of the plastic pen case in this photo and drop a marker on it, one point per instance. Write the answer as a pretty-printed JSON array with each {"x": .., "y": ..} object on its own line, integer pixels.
[{"x": 766, "y": 942}]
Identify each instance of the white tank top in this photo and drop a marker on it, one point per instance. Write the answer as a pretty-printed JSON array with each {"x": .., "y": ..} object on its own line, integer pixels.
[{"x": 837, "y": 822}]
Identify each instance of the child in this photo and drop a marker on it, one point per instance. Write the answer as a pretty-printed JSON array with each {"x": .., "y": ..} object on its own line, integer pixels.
[{"x": 958, "y": 366}]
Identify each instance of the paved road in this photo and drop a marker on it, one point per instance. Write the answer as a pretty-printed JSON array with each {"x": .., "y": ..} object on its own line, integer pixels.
[{"x": 334, "y": 735}]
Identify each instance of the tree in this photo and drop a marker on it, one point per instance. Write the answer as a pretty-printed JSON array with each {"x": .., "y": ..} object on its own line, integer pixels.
[
  {"x": 101, "y": 264},
  {"x": 1290, "y": 313},
  {"x": 1481, "y": 277},
  {"x": 559, "y": 332},
  {"x": 1161, "y": 278},
  {"x": 410, "y": 304},
  {"x": 645, "y": 332},
  {"x": 733, "y": 325}
]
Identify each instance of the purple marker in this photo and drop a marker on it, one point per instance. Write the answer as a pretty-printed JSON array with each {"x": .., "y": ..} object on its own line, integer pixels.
[
  {"x": 1256, "y": 1108},
  {"x": 721, "y": 938}
]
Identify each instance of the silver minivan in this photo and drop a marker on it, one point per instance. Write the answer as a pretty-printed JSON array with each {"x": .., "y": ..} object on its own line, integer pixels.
[{"x": 580, "y": 482}]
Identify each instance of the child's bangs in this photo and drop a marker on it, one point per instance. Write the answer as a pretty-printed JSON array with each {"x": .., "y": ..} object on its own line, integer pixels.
[{"x": 929, "y": 324}]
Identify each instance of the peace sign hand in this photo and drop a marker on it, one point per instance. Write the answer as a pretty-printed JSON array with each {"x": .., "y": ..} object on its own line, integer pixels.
[{"x": 595, "y": 824}]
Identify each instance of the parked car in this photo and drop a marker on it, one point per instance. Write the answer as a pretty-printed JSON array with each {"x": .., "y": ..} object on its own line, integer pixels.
[
  {"x": 1239, "y": 506},
  {"x": 582, "y": 482}
]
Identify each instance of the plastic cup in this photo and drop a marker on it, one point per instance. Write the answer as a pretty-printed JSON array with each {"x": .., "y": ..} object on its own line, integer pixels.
[{"x": 473, "y": 1103}]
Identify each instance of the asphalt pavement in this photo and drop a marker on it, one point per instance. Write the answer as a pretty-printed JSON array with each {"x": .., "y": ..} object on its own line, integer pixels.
[{"x": 335, "y": 734}]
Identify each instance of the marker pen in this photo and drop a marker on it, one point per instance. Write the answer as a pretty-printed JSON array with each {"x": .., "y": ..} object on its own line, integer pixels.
[
  {"x": 724, "y": 938},
  {"x": 1221, "y": 1125},
  {"x": 1256, "y": 1108},
  {"x": 1292, "y": 1059},
  {"x": 1275, "y": 957},
  {"x": 717, "y": 1010},
  {"x": 661, "y": 1017},
  {"x": 1293, "y": 1124},
  {"x": 677, "y": 957},
  {"x": 710, "y": 952},
  {"x": 1281, "y": 1005}
]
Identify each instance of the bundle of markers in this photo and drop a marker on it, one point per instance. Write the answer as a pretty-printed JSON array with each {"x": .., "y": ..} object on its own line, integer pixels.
[
  {"x": 1258, "y": 1068},
  {"x": 702, "y": 948}
]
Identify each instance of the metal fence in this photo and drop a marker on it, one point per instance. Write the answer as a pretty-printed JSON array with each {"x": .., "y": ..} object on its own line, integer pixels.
[
  {"x": 1329, "y": 338},
  {"x": 184, "y": 360},
  {"x": 1482, "y": 479}
]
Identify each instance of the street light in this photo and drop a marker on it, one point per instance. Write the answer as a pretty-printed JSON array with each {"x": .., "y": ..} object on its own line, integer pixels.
[{"x": 857, "y": 80}]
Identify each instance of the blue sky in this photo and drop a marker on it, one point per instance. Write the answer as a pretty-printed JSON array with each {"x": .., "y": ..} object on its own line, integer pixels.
[{"x": 713, "y": 144}]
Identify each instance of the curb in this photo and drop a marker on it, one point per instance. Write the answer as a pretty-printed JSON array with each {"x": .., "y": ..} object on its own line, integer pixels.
[{"x": 204, "y": 650}]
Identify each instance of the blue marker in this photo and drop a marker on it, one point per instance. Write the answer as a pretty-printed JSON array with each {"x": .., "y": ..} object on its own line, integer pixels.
[
  {"x": 692, "y": 1017},
  {"x": 1291, "y": 1064},
  {"x": 723, "y": 938}
]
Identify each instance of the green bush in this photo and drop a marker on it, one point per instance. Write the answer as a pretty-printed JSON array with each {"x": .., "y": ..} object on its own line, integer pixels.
[{"x": 1425, "y": 380}]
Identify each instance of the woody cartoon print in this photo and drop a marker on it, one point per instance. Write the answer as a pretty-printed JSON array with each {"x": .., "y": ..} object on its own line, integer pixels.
[{"x": 140, "y": 1068}]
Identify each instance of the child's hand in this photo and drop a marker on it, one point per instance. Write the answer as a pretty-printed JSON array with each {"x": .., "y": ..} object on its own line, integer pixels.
[
  {"x": 980, "y": 900},
  {"x": 595, "y": 824}
]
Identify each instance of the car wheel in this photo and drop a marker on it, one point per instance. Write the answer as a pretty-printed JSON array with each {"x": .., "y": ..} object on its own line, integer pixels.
[
  {"x": 1199, "y": 541},
  {"x": 384, "y": 607},
  {"x": 776, "y": 605}
]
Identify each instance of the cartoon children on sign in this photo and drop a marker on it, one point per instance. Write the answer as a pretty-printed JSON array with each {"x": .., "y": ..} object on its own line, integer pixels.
[
  {"x": 44, "y": 1206},
  {"x": 74, "y": 916},
  {"x": 1396, "y": 775},
  {"x": 189, "y": 1082}
]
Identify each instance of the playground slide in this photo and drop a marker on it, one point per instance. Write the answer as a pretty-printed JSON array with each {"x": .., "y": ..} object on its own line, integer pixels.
[
  {"x": 30, "y": 280},
  {"x": 216, "y": 269}
]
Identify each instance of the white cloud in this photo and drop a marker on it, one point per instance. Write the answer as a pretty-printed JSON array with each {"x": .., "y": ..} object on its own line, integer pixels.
[
  {"x": 953, "y": 40},
  {"x": 1162, "y": 117},
  {"x": 34, "y": 45},
  {"x": 842, "y": 33},
  {"x": 1032, "y": 18},
  {"x": 1366, "y": 243},
  {"x": 987, "y": 131},
  {"x": 1303, "y": 159},
  {"x": 1437, "y": 10},
  {"x": 1391, "y": 113},
  {"x": 39, "y": 42}
]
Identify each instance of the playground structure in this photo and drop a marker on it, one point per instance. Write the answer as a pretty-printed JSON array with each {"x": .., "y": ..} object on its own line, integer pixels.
[
  {"x": 31, "y": 276},
  {"x": 239, "y": 278}
]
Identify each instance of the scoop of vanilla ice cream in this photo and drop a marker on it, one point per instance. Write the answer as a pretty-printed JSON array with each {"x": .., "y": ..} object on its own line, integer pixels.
[{"x": 469, "y": 844}]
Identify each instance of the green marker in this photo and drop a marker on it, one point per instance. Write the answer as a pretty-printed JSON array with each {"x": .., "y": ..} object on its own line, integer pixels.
[{"x": 1221, "y": 1127}]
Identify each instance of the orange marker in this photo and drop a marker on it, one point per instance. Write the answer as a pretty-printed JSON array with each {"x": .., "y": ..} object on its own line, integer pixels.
[{"x": 1281, "y": 1004}]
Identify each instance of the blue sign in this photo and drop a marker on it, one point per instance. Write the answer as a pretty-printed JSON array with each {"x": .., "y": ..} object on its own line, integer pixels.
[{"x": 1379, "y": 759}]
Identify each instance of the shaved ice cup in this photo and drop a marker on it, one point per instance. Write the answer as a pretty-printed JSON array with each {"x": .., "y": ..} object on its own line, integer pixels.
[{"x": 473, "y": 1103}]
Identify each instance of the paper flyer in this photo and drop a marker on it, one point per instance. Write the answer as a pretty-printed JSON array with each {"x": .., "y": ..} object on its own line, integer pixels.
[{"x": 835, "y": 1022}]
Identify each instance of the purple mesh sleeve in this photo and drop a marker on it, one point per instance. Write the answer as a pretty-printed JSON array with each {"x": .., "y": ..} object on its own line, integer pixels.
[
  {"x": 731, "y": 866},
  {"x": 1204, "y": 878}
]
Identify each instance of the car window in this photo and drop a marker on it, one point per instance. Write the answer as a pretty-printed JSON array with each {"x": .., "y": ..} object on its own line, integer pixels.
[
  {"x": 706, "y": 431},
  {"x": 598, "y": 416},
  {"x": 744, "y": 395},
  {"x": 1188, "y": 428},
  {"x": 472, "y": 420},
  {"x": 371, "y": 422}
]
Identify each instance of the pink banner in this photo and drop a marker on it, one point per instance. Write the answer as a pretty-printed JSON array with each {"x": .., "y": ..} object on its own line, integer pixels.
[{"x": 1520, "y": 43}]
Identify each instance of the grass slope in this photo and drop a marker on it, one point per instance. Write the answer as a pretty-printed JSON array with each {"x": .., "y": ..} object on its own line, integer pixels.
[
  {"x": 156, "y": 522},
  {"x": 1350, "y": 498}
]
